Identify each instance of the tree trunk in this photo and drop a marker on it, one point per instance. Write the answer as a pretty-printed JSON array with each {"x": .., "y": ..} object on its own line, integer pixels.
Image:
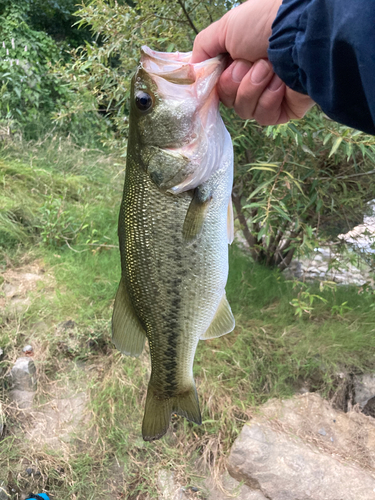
[{"x": 251, "y": 240}]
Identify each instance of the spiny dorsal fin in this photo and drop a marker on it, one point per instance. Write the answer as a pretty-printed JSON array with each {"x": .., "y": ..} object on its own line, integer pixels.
[
  {"x": 196, "y": 213},
  {"x": 128, "y": 334},
  {"x": 222, "y": 323}
]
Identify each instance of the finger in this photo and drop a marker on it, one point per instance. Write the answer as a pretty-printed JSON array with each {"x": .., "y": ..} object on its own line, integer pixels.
[
  {"x": 296, "y": 104},
  {"x": 269, "y": 110},
  {"x": 230, "y": 81},
  {"x": 210, "y": 42},
  {"x": 252, "y": 87}
]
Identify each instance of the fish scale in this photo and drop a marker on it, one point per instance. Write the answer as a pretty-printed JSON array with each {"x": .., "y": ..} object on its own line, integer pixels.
[{"x": 173, "y": 282}]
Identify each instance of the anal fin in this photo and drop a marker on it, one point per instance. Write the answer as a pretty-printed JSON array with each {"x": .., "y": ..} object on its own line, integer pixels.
[
  {"x": 222, "y": 323},
  {"x": 128, "y": 334}
]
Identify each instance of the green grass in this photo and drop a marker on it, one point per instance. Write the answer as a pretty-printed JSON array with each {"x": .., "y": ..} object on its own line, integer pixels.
[{"x": 271, "y": 353}]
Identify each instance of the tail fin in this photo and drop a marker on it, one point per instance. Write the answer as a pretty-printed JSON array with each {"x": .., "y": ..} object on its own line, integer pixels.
[{"x": 158, "y": 412}]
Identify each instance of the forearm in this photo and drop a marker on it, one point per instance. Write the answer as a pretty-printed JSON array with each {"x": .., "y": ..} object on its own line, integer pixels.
[{"x": 326, "y": 49}]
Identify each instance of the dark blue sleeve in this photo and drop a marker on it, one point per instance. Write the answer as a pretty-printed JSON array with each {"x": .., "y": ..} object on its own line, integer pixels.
[{"x": 326, "y": 49}]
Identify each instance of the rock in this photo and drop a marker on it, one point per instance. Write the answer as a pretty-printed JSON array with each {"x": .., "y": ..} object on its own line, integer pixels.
[
  {"x": 364, "y": 388},
  {"x": 281, "y": 453},
  {"x": 28, "y": 350},
  {"x": 170, "y": 489},
  {"x": 4, "y": 495},
  {"x": 233, "y": 490},
  {"x": 313, "y": 270},
  {"x": 23, "y": 399},
  {"x": 23, "y": 375},
  {"x": 369, "y": 409},
  {"x": 55, "y": 422}
]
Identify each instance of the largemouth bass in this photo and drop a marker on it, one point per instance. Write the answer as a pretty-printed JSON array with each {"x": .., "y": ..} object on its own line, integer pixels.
[{"x": 175, "y": 224}]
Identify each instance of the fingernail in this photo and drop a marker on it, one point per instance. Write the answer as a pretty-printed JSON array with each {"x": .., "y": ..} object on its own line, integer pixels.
[
  {"x": 275, "y": 84},
  {"x": 239, "y": 70},
  {"x": 260, "y": 70}
]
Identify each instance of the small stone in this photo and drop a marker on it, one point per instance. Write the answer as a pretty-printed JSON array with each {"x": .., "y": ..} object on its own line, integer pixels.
[
  {"x": 322, "y": 432},
  {"x": 29, "y": 471},
  {"x": 23, "y": 375},
  {"x": 331, "y": 439},
  {"x": 28, "y": 350}
]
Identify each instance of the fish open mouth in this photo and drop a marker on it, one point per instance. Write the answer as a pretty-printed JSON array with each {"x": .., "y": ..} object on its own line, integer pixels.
[{"x": 176, "y": 68}]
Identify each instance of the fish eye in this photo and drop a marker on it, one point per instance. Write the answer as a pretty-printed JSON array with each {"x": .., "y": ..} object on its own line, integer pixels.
[{"x": 143, "y": 101}]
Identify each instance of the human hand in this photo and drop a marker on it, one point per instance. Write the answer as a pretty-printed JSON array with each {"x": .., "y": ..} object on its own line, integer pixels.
[{"x": 249, "y": 83}]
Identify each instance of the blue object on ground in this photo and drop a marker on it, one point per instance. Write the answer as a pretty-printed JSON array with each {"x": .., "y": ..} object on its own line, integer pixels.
[{"x": 40, "y": 496}]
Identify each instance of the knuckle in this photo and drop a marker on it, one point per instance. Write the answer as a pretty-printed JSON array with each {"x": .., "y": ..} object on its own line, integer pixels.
[{"x": 243, "y": 113}]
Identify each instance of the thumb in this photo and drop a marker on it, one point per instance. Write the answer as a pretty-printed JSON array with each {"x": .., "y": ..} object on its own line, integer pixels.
[
  {"x": 296, "y": 104},
  {"x": 210, "y": 42}
]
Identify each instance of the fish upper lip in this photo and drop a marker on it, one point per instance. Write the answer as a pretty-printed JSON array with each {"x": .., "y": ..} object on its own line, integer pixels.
[{"x": 176, "y": 67}]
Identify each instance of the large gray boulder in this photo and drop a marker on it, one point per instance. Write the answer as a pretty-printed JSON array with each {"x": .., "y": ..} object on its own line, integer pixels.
[
  {"x": 302, "y": 449},
  {"x": 231, "y": 489},
  {"x": 364, "y": 388}
]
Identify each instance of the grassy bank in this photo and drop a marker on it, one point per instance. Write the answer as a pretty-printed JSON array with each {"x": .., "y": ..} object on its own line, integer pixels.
[{"x": 58, "y": 208}]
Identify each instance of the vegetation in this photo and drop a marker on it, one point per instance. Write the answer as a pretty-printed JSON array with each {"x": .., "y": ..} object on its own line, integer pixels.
[
  {"x": 63, "y": 132},
  {"x": 292, "y": 183},
  {"x": 271, "y": 353}
]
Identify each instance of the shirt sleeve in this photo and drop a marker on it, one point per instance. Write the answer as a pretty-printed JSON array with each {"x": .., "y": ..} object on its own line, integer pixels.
[{"x": 326, "y": 49}]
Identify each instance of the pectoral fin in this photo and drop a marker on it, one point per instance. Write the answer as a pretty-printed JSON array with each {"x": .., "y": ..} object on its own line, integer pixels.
[
  {"x": 128, "y": 334},
  {"x": 196, "y": 213},
  {"x": 222, "y": 323}
]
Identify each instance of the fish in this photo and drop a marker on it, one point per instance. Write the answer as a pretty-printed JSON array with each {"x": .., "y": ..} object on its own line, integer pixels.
[{"x": 175, "y": 224}]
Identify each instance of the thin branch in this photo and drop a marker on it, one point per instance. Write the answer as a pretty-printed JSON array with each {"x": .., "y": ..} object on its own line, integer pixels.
[
  {"x": 195, "y": 6},
  {"x": 345, "y": 176},
  {"x": 209, "y": 14},
  {"x": 188, "y": 17},
  {"x": 182, "y": 21}
]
